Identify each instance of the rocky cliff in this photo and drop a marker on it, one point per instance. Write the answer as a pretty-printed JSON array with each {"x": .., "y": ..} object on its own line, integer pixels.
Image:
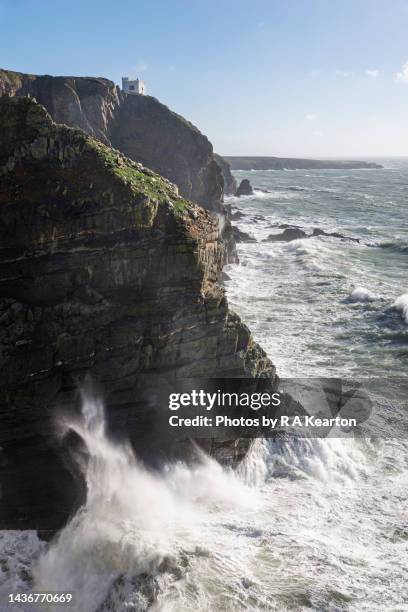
[
  {"x": 105, "y": 270},
  {"x": 139, "y": 126},
  {"x": 230, "y": 183}
]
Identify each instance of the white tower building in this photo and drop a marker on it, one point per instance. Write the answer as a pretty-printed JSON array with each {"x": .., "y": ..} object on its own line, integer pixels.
[{"x": 133, "y": 86}]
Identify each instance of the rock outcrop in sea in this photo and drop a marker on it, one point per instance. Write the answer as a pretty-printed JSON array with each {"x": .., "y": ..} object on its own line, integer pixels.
[
  {"x": 245, "y": 188},
  {"x": 106, "y": 270},
  {"x": 295, "y": 233},
  {"x": 241, "y": 236}
]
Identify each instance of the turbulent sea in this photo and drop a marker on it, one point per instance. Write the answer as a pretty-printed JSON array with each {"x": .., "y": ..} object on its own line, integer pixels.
[
  {"x": 297, "y": 297},
  {"x": 303, "y": 524}
]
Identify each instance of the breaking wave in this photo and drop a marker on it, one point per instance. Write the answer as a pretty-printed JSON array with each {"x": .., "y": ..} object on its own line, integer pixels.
[
  {"x": 137, "y": 526},
  {"x": 359, "y": 294},
  {"x": 401, "y": 304},
  {"x": 399, "y": 247}
]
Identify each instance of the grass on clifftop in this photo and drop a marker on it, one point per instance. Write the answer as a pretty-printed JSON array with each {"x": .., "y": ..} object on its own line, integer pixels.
[{"x": 146, "y": 182}]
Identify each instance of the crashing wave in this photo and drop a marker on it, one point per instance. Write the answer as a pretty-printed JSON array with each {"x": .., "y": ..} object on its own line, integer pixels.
[
  {"x": 133, "y": 537},
  {"x": 401, "y": 304},
  {"x": 360, "y": 294}
]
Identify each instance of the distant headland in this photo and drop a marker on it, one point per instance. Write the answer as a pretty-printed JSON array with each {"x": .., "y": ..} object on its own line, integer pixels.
[{"x": 289, "y": 163}]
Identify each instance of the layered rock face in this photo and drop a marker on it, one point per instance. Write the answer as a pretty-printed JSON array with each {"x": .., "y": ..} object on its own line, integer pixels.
[
  {"x": 105, "y": 271},
  {"x": 230, "y": 183},
  {"x": 139, "y": 126}
]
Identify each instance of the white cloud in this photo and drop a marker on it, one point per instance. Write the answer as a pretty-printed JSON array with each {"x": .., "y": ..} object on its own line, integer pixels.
[
  {"x": 311, "y": 117},
  {"x": 313, "y": 73},
  {"x": 373, "y": 73},
  {"x": 402, "y": 76}
]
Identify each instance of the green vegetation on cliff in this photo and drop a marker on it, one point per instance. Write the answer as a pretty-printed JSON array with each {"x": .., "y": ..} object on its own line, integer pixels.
[{"x": 144, "y": 191}]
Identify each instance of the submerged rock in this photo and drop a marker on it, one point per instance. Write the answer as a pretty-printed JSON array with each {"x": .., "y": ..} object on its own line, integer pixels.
[
  {"x": 242, "y": 236},
  {"x": 320, "y": 232},
  {"x": 261, "y": 189},
  {"x": 291, "y": 233},
  {"x": 236, "y": 215},
  {"x": 245, "y": 188}
]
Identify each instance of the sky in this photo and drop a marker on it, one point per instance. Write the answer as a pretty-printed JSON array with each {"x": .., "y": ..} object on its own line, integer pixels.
[{"x": 312, "y": 78}]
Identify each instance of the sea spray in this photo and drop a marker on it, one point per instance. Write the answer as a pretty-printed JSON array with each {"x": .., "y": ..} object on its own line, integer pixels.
[{"x": 135, "y": 522}]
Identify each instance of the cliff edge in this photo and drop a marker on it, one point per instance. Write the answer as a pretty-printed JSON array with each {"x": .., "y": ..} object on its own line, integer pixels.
[{"x": 141, "y": 127}]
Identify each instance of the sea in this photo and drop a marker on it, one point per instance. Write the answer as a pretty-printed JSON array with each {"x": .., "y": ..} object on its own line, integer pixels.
[{"x": 302, "y": 524}]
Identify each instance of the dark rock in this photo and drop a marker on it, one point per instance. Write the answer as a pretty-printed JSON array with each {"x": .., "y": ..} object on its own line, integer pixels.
[
  {"x": 237, "y": 215},
  {"x": 244, "y": 188},
  {"x": 230, "y": 183},
  {"x": 287, "y": 225},
  {"x": 319, "y": 232},
  {"x": 242, "y": 236},
  {"x": 287, "y": 235},
  {"x": 105, "y": 271},
  {"x": 293, "y": 232}
]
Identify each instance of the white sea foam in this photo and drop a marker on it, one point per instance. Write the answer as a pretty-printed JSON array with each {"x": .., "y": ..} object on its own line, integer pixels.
[
  {"x": 401, "y": 304},
  {"x": 360, "y": 294},
  {"x": 272, "y": 194},
  {"x": 18, "y": 549}
]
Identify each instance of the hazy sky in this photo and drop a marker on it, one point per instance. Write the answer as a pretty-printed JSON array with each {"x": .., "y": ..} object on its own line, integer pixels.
[{"x": 260, "y": 77}]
